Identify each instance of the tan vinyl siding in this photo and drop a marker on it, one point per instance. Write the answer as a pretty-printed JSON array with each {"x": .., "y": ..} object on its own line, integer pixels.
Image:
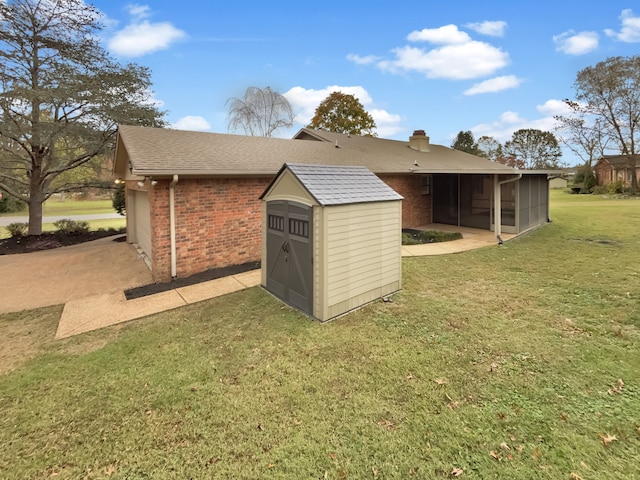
[{"x": 362, "y": 254}]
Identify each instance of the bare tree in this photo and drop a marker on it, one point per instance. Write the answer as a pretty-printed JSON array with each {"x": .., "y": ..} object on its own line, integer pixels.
[
  {"x": 260, "y": 112},
  {"x": 610, "y": 92}
]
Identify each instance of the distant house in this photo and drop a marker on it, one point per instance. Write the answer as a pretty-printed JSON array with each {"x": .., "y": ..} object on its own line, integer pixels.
[
  {"x": 193, "y": 197},
  {"x": 613, "y": 168}
]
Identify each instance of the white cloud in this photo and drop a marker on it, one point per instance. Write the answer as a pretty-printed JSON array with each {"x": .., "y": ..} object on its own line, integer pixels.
[
  {"x": 305, "y": 101},
  {"x": 554, "y": 107},
  {"x": 138, "y": 11},
  {"x": 493, "y": 29},
  {"x": 573, "y": 43},
  {"x": 492, "y": 85},
  {"x": 630, "y": 31},
  {"x": 193, "y": 123},
  {"x": 456, "y": 56},
  {"x": 358, "y": 60},
  {"x": 446, "y": 35},
  {"x": 509, "y": 122},
  {"x": 461, "y": 61},
  {"x": 141, "y": 36}
]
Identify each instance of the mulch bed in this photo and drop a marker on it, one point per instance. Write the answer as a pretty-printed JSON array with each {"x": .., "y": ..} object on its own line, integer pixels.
[
  {"x": 49, "y": 240},
  {"x": 192, "y": 280}
]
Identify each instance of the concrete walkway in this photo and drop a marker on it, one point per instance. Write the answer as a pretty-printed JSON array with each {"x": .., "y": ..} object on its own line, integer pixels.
[
  {"x": 90, "y": 280},
  {"x": 101, "y": 311}
]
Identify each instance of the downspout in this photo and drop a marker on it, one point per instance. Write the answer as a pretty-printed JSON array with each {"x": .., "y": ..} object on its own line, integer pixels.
[
  {"x": 497, "y": 204},
  {"x": 172, "y": 225}
]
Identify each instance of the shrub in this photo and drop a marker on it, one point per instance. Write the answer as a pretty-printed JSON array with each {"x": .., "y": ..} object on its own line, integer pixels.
[
  {"x": 10, "y": 204},
  {"x": 615, "y": 187},
  {"x": 71, "y": 227},
  {"x": 585, "y": 178},
  {"x": 18, "y": 229},
  {"x": 415, "y": 237},
  {"x": 118, "y": 200}
]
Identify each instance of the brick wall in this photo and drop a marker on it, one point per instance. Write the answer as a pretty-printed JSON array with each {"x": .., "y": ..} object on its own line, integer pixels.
[
  {"x": 416, "y": 207},
  {"x": 218, "y": 221},
  {"x": 217, "y": 224}
]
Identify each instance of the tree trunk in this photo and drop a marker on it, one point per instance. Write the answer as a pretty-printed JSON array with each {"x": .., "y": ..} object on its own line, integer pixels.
[{"x": 36, "y": 199}]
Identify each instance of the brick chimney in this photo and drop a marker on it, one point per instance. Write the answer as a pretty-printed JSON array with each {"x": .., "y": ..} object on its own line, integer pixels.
[{"x": 419, "y": 141}]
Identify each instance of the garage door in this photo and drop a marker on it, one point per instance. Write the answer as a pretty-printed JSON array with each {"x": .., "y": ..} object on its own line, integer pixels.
[{"x": 142, "y": 222}]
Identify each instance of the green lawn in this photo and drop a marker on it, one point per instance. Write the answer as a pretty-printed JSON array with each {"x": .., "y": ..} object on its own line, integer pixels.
[
  {"x": 512, "y": 362},
  {"x": 56, "y": 207}
]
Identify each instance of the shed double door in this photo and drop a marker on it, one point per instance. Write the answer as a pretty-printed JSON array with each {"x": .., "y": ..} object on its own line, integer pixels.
[{"x": 290, "y": 253}]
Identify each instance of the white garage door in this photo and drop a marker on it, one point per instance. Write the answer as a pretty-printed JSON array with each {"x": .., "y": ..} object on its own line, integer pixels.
[{"x": 142, "y": 222}]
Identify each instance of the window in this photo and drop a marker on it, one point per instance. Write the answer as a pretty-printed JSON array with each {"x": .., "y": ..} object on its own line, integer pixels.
[
  {"x": 426, "y": 185},
  {"x": 276, "y": 222},
  {"x": 299, "y": 227}
]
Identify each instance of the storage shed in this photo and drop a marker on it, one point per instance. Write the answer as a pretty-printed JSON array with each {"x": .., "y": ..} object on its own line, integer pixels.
[{"x": 331, "y": 238}]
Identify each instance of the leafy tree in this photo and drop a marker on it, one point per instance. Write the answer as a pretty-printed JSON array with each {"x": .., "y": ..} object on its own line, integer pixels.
[
  {"x": 489, "y": 148},
  {"x": 465, "y": 143},
  {"x": 610, "y": 93},
  {"x": 343, "y": 113},
  {"x": 534, "y": 149},
  {"x": 61, "y": 99},
  {"x": 260, "y": 112}
]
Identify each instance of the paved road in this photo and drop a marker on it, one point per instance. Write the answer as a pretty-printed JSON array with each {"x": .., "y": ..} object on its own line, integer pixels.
[{"x": 4, "y": 221}]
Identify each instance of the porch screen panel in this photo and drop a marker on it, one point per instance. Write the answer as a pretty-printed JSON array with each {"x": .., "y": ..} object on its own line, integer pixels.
[
  {"x": 475, "y": 201},
  {"x": 445, "y": 199},
  {"x": 508, "y": 203},
  {"x": 525, "y": 203}
]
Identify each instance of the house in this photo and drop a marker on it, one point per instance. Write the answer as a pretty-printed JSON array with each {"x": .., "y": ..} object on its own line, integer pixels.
[
  {"x": 193, "y": 197},
  {"x": 613, "y": 168}
]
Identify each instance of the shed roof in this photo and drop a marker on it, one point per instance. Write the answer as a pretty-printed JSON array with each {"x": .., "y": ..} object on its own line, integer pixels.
[
  {"x": 163, "y": 152},
  {"x": 339, "y": 184}
]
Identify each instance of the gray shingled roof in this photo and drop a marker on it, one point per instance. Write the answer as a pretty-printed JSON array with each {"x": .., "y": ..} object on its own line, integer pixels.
[
  {"x": 341, "y": 184},
  {"x": 162, "y": 152}
]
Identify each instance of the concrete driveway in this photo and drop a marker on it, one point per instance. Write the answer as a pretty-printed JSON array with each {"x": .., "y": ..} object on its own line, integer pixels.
[{"x": 61, "y": 275}]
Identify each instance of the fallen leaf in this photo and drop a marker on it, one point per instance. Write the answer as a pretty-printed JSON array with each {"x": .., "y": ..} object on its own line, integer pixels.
[
  {"x": 332, "y": 456},
  {"x": 494, "y": 454},
  {"x": 110, "y": 470},
  {"x": 607, "y": 439},
  {"x": 271, "y": 465},
  {"x": 575, "y": 476},
  {"x": 412, "y": 471},
  {"x": 617, "y": 388},
  {"x": 504, "y": 446},
  {"x": 441, "y": 381},
  {"x": 456, "y": 472},
  {"x": 409, "y": 377},
  {"x": 502, "y": 415},
  {"x": 387, "y": 423},
  {"x": 564, "y": 417},
  {"x": 535, "y": 454},
  {"x": 148, "y": 412},
  {"x": 374, "y": 471},
  {"x": 493, "y": 367}
]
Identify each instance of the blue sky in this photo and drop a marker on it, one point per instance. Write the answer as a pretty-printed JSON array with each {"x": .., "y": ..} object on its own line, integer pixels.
[{"x": 491, "y": 67}]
